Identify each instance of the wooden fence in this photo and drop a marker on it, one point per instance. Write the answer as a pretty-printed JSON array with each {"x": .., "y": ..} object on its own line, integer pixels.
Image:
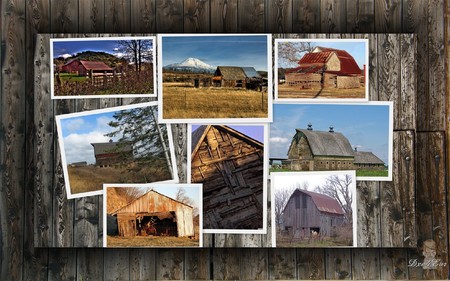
[{"x": 35, "y": 213}]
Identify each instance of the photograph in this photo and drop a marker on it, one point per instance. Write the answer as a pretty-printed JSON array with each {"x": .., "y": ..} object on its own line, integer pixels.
[
  {"x": 123, "y": 144},
  {"x": 152, "y": 215},
  {"x": 230, "y": 162},
  {"x": 102, "y": 67},
  {"x": 324, "y": 137},
  {"x": 222, "y": 78},
  {"x": 314, "y": 209},
  {"x": 322, "y": 69}
]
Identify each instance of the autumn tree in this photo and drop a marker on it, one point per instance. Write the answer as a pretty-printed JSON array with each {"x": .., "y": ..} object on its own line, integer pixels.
[{"x": 136, "y": 51}]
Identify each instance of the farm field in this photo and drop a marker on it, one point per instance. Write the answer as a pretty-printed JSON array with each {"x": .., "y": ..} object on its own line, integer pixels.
[
  {"x": 181, "y": 101},
  {"x": 91, "y": 178},
  {"x": 151, "y": 241},
  {"x": 359, "y": 173},
  {"x": 289, "y": 92}
]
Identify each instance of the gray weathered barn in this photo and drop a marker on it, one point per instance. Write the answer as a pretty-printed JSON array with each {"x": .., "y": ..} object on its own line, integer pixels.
[
  {"x": 308, "y": 211},
  {"x": 155, "y": 214},
  {"x": 110, "y": 153},
  {"x": 327, "y": 150},
  {"x": 230, "y": 166},
  {"x": 237, "y": 77}
]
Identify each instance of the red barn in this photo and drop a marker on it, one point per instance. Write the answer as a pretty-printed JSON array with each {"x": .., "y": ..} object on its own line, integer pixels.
[
  {"x": 83, "y": 67},
  {"x": 110, "y": 153}
]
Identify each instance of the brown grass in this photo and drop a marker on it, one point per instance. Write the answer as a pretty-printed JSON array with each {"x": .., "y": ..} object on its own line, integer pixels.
[
  {"x": 343, "y": 236},
  {"x": 151, "y": 241},
  {"x": 91, "y": 178},
  {"x": 289, "y": 92},
  {"x": 188, "y": 102}
]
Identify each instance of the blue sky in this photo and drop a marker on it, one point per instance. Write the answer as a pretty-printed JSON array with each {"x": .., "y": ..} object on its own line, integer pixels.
[
  {"x": 255, "y": 132},
  {"x": 217, "y": 50},
  {"x": 365, "y": 126},
  {"x": 72, "y": 47},
  {"x": 356, "y": 49}
]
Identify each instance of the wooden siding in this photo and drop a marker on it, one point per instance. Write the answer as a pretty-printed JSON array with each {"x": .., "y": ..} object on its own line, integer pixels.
[{"x": 27, "y": 140}]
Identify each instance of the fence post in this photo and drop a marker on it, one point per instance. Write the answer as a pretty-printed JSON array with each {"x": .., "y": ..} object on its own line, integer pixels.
[{"x": 105, "y": 78}]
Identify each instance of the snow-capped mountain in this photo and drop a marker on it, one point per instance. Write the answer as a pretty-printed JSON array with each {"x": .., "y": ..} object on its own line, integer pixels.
[{"x": 192, "y": 65}]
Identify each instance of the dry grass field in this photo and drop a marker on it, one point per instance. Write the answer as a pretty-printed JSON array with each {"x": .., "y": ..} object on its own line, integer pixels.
[
  {"x": 289, "y": 92},
  {"x": 342, "y": 237},
  {"x": 182, "y": 102},
  {"x": 91, "y": 178},
  {"x": 151, "y": 241}
]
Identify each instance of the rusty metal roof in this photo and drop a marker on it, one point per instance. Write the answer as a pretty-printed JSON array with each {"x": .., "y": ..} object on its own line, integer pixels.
[{"x": 323, "y": 202}]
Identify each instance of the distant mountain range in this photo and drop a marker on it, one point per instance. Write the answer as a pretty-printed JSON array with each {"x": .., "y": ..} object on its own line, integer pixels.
[{"x": 191, "y": 65}]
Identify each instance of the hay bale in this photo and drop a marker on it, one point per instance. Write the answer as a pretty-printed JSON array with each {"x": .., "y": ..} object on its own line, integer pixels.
[{"x": 348, "y": 82}]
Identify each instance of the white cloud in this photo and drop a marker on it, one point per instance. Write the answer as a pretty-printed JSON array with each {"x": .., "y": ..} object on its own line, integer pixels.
[
  {"x": 78, "y": 147},
  {"x": 279, "y": 140},
  {"x": 71, "y": 125},
  {"x": 65, "y": 56}
]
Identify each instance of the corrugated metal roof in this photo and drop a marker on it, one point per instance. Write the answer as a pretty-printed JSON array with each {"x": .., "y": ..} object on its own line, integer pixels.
[
  {"x": 251, "y": 72},
  {"x": 95, "y": 65},
  {"x": 320, "y": 57},
  {"x": 326, "y": 143},
  {"x": 306, "y": 69},
  {"x": 111, "y": 147},
  {"x": 324, "y": 203},
  {"x": 230, "y": 72},
  {"x": 366, "y": 158}
]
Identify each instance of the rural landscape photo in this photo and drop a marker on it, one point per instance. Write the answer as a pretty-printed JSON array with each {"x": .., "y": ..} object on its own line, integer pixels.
[
  {"x": 114, "y": 146},
  {"x": 322, "y": 137},
  {"x": 229, "y": 162},
  {"x": 314, "y": 209},
  {"x": 214, "y": 76},
  {"x": 322, "y": 69},
  {"x": 103, "y": 67},
  {"x": 166, "y": 215}
]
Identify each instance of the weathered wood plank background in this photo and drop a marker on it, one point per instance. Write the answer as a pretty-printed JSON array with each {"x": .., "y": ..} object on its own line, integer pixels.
[{"x": 408, "y": 69}]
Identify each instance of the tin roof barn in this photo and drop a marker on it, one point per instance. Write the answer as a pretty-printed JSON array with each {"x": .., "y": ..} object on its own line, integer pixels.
[
  {"x": 155, "y": 214},
  {"x": 308, "y": 211},
  {"x": 108, "y": 153},
  {"x": 236, "y": 76},
  {"x": 230, "y": 166},
  {"x": 83, "y": 67}
]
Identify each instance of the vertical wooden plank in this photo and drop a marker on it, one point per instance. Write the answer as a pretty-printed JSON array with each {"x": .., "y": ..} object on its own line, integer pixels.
[
  {"x": 338, "y": 264},
  {"x": 196, "y": 16},
  {"x": 118, "y": 16},
  {"x": 91, "y": 16},
  {"x": 310, "y": 264},
  {"x": 333, "y": 16},
  {"x": 360, "y": 16},
  {"x": 251, "y": 16},
  {"x": 90, "y": 264},
  {"x": 62, "y": 264},
  {"x": 406, "y": 104},
  {"x": 305, "y": 16},
  {"x": 397, "y": 197},
  {"x": 64, "y": 16},
  {"x": 388, "y": 16},
  {"x": 143, "y": 14},
  {"x": 170, "y": 264},
  {"x": 282, "y": 264},
  {"x": 373, "y": 66},
  {"x": 254, "y": 264},
  {"x": 366, "y": 264},
  {"x": 224, "y": 16},
  {"x": 12, "y": 139},
  {"x": 116, "y": 264},
  {"x": 368, "y": 210},
  {"x": 179, "y": 136},
  {"x": 415, "y": 272},
  {"x": 226, "y": 264},
  {"x": 393, "y": 264},
  {"x": 169, "y": 16},
  {"x": 279, "y": 16},
  {"x": 447, "y": 136},
  {"x": 436, "y": 67},
  {"x": 142, "y": 264},
  {"x": 198, "y": 264},
  {"x": 86, "y": 222}
]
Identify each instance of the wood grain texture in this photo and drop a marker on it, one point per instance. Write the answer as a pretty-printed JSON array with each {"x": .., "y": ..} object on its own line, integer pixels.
[
  {"x": 90, "y": 264},
  {"x": 91, "y": 16},
  {"x": 279, "y": 16},
  {"x": 117, "y": 15},
  {"x": 366, "y": 264},
  {"x": 170, "y": 264},
  {"x": 388, "y": 16},
  {"x": 373, "y": 67},
  {"x": 305, "y": 16},
  {"x": 282, "y": 264},
  {"x": 169, "y": 16},
  {"x": 226, "y": 264},
  {"x": 360, "y": 16},
  {"x": 142, "y": 264},
  {"x": 311, "y": 264},
  {"x": 196, "y": 16},
  {"x": 388, "y": 52},
  {"x": 64, "y": 16},
  {"x": 62, "y": 264},
  {"x": 251, "y": 16},
  {"x": 333, "y": 16},
  {"x": 116, "y": 264},
  {"x": 254, "y": 264},
  {"x": 143, "y": 16},
  {"x": 368, "y": 206},
  {"x": 393, "y": 264},
  {"x": 198, "y": 264},
  {"x": 338, "y": 264},
  {"x": 224, "y": 16},
  {"x": 406, "y": 103}
]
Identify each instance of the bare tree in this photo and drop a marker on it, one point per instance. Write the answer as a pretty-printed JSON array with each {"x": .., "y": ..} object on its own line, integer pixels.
[
  {"x": 136, "y": 51},
  {"x": 339, "y": 188},
  {"x": 184, "y": 198},
  {"x": 289, "y": 53}
]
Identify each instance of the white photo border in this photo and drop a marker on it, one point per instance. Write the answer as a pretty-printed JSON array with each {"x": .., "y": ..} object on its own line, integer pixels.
[{"x": 58, "y": 119}]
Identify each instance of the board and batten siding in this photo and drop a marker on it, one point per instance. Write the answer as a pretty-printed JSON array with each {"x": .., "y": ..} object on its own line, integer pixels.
[{"x": 408, "y": 69}]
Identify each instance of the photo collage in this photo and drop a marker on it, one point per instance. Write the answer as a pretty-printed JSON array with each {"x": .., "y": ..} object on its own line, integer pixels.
[{"x": 279, "y": 131}]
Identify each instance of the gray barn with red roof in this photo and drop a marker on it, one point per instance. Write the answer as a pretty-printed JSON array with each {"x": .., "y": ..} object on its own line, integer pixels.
[{"x": 308, "y": 211}]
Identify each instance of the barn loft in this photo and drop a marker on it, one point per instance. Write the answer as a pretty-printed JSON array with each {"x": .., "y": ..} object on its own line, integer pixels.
[
  {"x": 155, "y": 214},
  {"x": 308, "y": 211},
  {"x": 319, "y": 150},
  {"x": 236, "y": 77},
  {"x": 84, "y": 67},
  {"x": 110, "y": 153},
  {"x": 230, "y": 166},
  {"x": 326, "y": 68}
]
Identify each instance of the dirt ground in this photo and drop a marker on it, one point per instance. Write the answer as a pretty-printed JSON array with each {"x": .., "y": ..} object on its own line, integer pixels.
[
  {"x": 151, "y": 241},
  {"x": 288, "y": 92}
]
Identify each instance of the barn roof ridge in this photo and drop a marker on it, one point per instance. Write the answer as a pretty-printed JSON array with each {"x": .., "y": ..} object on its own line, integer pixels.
[
  {"x": 327, "y": 143},
  {"x": 367, "y": 157},
  {"x": 323, "y": 202}
]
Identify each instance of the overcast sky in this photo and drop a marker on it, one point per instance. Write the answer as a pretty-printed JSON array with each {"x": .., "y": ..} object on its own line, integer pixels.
[
  {"x": 365, "y": 126},
  {"x": 243, "y": 50}
]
